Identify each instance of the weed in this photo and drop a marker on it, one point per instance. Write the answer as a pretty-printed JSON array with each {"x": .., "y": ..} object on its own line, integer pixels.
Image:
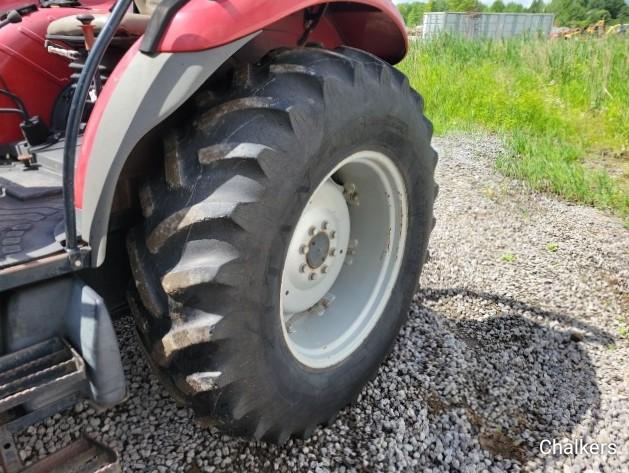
[
  {"x": 560, "y": 106},
  {"x": 509, "y": 257},
  {"x": 552, "y": 247}
]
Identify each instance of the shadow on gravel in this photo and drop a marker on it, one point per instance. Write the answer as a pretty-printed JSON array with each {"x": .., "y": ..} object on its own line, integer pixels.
[{"x": 526, "y": 375}]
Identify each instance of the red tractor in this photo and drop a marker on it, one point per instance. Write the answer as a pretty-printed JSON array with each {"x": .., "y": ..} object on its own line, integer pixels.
[{"x": 252, "y": 176}]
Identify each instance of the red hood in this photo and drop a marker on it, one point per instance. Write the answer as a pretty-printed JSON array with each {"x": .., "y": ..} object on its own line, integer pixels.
[{"x": 8, "y": 5}]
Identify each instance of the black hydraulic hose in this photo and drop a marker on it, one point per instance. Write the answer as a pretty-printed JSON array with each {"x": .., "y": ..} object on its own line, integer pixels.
[
  {"x": 76, "y": 113},
  {"x": 17, "y": 100}
]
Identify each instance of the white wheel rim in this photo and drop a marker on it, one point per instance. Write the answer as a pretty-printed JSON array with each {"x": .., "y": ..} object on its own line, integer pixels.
[{"x": 343, "y": 259}]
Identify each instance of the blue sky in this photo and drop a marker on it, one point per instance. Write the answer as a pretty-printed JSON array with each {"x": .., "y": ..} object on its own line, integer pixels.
[{"x": 526, "y": 3}]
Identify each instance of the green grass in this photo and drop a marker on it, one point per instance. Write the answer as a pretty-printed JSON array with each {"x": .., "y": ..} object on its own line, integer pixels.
[
  {"x": 552, "y": 247},
  {"x": 562, "y": 108},
  {"x": 509, "y": 257}
]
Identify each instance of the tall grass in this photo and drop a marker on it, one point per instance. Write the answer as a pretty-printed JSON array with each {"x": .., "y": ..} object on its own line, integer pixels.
[{"x": 562, "y": 107}]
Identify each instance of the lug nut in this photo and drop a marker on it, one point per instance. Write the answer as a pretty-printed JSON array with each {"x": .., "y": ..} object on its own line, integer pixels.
[
  {"x": 332, "y": 252},
  {"x": 303, "y": 249},
  {"x": 302, "y": 268},
  {"x": 312, "y": 231},
  {"x": 324, "y": 225},
  {"x": 332, "y": 234},
  {"x": 324, "y": 269},
  {"x": 312, "y": 276}
]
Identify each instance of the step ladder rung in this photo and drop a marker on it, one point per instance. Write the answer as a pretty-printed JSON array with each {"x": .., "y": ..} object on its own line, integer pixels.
[
  {"x": 18, "y": 358},
  {"x": 33, "y": 366},
  {"x": 44, "y": 379},
  {"x": 50, "y": 365}
]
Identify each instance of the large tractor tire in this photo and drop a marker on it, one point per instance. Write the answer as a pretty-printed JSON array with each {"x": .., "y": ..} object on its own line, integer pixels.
[{"x": 283, "y": 239}]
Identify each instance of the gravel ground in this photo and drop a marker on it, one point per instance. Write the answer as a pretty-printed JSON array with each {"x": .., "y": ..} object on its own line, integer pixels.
[{"x": 516, "y": 336}]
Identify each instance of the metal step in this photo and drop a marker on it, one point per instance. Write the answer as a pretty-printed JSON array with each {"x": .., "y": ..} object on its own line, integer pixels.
[
  {"x": 48, "y": 366},
  {"x": 35, "y": 383}
]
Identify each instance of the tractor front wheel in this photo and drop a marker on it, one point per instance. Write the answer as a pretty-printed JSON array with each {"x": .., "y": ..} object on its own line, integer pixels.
[{"x": 283, "y": 240}]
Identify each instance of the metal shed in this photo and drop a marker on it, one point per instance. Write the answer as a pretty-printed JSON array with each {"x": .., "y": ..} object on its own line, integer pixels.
[{"x": 487, "y": 25}]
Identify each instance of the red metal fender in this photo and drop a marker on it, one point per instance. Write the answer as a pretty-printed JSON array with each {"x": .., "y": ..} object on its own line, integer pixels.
[
  {"x": 201, "y": 36},
  {"x": 373, "y": 25}
]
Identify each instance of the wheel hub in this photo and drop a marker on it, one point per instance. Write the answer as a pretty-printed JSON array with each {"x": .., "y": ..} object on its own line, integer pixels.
[{"x": 318, "y": 249}]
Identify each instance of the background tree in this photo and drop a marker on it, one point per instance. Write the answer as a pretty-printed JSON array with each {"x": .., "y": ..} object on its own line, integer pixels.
[
  {"x": 513, "y": 7},
  {"x": 464, "y": 5},
  {"x": 537, "y": 6},
  {"x": 497, "y": 7}
]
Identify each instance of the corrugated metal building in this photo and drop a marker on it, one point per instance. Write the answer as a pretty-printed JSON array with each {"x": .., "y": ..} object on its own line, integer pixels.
[{"x": 487, "y": 25}]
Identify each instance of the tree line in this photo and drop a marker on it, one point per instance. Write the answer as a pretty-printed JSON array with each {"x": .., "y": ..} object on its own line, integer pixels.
[{"x": 573, "y": 13}]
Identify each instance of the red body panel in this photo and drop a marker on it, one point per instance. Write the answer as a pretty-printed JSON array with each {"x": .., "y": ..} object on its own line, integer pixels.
[
  {"x": 26, "y": 67},
  {"x": 202, "y": 25},
  {"x": 27, "y": 70}
]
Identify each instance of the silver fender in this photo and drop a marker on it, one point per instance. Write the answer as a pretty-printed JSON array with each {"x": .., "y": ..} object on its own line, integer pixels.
[{"x": 150, "y": 90}]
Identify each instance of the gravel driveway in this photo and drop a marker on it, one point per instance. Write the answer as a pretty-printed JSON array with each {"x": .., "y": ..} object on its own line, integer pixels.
[{"x": 516, "y": 336}]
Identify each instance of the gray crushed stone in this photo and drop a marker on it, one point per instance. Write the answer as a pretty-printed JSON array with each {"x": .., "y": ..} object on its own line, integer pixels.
[{"x": 515, "y": 337}]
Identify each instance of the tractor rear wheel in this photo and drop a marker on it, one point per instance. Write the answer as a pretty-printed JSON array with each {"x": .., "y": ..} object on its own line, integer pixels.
[{"x": 283, "y": 240}]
